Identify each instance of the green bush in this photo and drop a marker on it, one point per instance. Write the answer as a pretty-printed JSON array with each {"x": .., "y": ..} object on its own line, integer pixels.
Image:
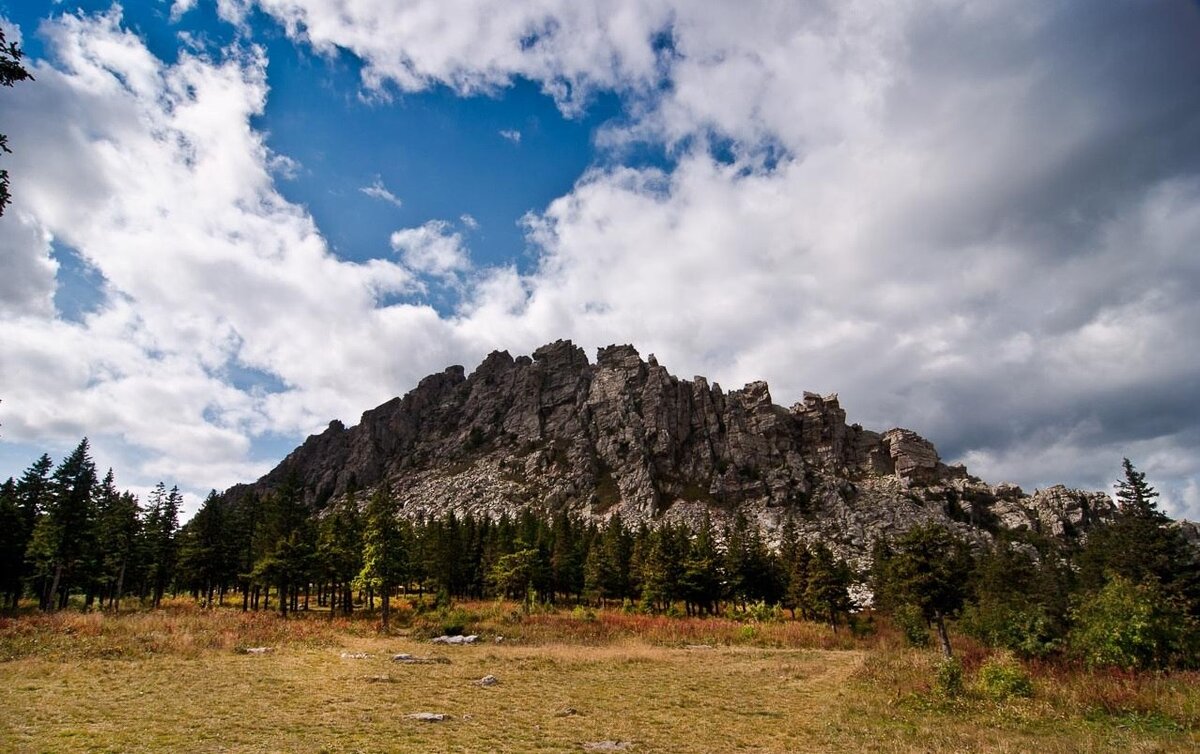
[
  {"x": 1028, "y": 631},
  {"x": 761, "y": 612},
  {"x": 1131, "y": 626},
  {"x": 1002, "y": 677},
  {"x": 948, "y": 677},
  {"x": 911, "y": 622},
  {"x": 585, "y": 614},
  {"x": 453, "y": 621}
]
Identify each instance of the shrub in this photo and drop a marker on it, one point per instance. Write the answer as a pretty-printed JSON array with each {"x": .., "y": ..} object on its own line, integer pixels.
[
  {"x": 911, "y": 622},
  {"x": 1130, "y": 626},
  {"x": 1029, "y": 631},
  {"x": 948, "y": 677},
  {"x": 1002, "y": 677},
  {"x": 586, "y": 614},
  {"x": 453, "y": 621},
  {"x": 761, "y": 612}
]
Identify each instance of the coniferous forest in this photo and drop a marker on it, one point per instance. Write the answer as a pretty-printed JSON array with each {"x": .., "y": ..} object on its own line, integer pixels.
[{"x": 1128, "y": 597}]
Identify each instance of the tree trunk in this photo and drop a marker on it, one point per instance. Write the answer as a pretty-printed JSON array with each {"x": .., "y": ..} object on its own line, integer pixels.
[
  {"x": 116, "y": 600},
  {"x": 387, "y": 608},
  {"x": 943, "y": 636},
  {"x": 52, "y": 595}
]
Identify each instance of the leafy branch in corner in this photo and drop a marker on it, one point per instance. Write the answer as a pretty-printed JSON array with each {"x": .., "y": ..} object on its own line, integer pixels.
[{"x": 11, "y": 71}]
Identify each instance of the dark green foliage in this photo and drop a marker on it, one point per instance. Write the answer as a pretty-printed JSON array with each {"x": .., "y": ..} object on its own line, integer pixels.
[
  {"x": 1020, "y": 600},
  {"x": 385, "y": 549},
  {"x": 700, "y": 582},
  {"x": 13, "y": 541},
  {"x": 1143, "y": 547},
  {"x": 1135, "y": 496},
  {"x": 929, "y": 570},
  {"x": 208, "y": 556},
  {"x": 62, "y": 546},
  {"x": 827, "y": 593},
  {"x": 340, "y": 551},
  {"x": 119, "y": 533}
]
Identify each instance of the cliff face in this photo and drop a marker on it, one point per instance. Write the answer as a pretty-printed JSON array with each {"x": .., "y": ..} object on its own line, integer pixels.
[{"x": 625, "y": 436}]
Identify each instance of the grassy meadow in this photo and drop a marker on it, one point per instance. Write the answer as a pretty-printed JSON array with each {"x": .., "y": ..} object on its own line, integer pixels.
[{"x": 179, "y": 679}]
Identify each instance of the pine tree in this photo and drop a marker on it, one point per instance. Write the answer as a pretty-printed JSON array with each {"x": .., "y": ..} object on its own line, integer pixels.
[
  {"x": 63, "y": 537},
  {"x": 161, "y": 525},
  {"x": 207, "y": 553},
  {"x": 1142, "y": 546},
  {"x": 827, "y": 591},
  {"x": 700, "y": 583},
  {"x": 385, "y": 551},
  {"x": 929, "y": 570},
  {"x": 118, "y": 528},
  {"x": 13, "y": 543},
  {"x": 1135, "y": 497},
  {"x": 340, "y": 549}
]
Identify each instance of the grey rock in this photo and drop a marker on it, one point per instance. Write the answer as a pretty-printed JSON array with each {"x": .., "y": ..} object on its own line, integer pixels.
[
  {"x": 455, "y": 640},
  {"x": 487, "y": 680},
  {"x": 407, "y": 659},
  {"x": 624, "y": 436},
  {"x": 607, "y": 746},
  {"x": 428, "y": 717}
]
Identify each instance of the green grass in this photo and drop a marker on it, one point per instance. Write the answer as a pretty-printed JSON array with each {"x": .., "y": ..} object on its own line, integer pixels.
[{"x": 173, "y": 680}]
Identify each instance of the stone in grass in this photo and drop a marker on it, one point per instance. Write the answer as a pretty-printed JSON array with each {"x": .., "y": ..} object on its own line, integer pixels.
[
  {"x": 487, "y": 680},
  {"x": 428, "y": 717},
  {"x": 379, "y": 679},
  {"x": 470, "y": 639},
  {"x": 256, "y": 650},
  {"x": 355, "y": 656},
  {"x": 566, "y": 712},
  {"x": 406, "y": 659},
  {"x": 607, "y": 745}
]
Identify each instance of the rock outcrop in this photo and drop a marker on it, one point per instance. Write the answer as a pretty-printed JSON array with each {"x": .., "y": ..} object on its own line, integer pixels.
[{"x": 625, "y": 436}]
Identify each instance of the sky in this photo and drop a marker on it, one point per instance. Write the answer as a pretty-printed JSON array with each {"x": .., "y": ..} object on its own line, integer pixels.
[{"x": 235, "y": 221}]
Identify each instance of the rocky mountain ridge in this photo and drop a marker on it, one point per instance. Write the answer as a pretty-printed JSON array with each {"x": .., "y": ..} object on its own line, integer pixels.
[{"x": 624, "y": 436}]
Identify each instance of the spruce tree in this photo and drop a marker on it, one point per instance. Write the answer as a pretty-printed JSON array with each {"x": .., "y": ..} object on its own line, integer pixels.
[
  {"x": 63, "y": 538},
  {"x": 1143, "y": 546},
  {"x": 1135, "y": 496},
  {"x": 385, "y": 551},
  {"x": 827, "y": 591},
  {"x": 13, "y": 543},
  {"x": 929, "y": 570}
]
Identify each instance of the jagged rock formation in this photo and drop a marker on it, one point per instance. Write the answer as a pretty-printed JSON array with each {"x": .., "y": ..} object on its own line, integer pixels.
[{"x": 625, "y": 436}]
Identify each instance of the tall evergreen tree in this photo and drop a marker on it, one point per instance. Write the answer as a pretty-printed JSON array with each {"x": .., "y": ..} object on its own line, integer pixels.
[
  {"x": 385, "y": 551},
  {"x": 63, "y": 537},
  {"x": 340, "y": 548},
  {"x": 13, "y": 543},
  {"x": 827, "y": 591},
  {"x": 1143, "y": 546},
  {"x": 118, "y": 529},
  {"x": 929, "y": 570},
  {"x": 701, "y": 581},
  {"x": 161, "y": 525},
  {"x": 1135, "y": 496}
]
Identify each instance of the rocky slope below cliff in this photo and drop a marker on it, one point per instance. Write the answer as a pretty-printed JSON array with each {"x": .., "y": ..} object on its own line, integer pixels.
[{"x": 624, "y": 436}]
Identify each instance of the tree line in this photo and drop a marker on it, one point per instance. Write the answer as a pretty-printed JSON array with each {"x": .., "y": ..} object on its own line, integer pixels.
[
  {"x": 64, "y": 530},
  {"x": 1130, "y": 595}
]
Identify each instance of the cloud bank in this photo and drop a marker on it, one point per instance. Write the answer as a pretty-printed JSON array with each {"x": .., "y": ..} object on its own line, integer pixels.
[{"x": 961, "y": 216}]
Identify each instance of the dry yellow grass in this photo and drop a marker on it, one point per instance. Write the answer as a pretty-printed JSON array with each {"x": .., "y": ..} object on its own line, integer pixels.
[{"x": 78, "y": 683}]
